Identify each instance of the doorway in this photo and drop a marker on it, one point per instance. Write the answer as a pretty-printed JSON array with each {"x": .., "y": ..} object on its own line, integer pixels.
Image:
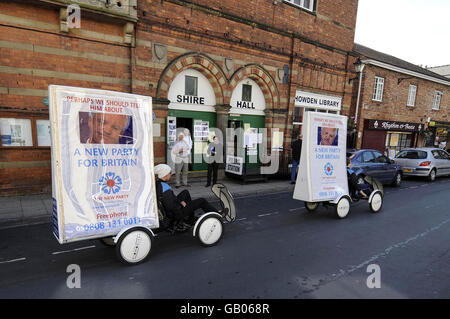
[{"x": 185, "y": 122}]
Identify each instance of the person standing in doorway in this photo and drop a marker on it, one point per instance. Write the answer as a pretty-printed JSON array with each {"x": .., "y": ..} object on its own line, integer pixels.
[
  {"x": 182, "y": 153},
  {"x": 214, "y": 153},
  {"x": 296, "y": 151}
]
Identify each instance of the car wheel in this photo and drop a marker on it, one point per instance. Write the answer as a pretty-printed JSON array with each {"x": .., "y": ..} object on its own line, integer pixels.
[
  {"x": 397, "y": 179},
  {"x": 432, "y": 175}
]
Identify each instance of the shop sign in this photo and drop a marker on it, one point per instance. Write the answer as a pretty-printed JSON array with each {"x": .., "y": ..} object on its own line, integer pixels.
[
  {"x": 190, "y": 99},
  {"x": 439, "y": 124},
  {"x": 247, "y": 98},
  {"x": 245, "y": 105},
  {"x": 317, "y": 101},
  {"x": 234, "y": 165},
  {"x": 394, "y": 126}
]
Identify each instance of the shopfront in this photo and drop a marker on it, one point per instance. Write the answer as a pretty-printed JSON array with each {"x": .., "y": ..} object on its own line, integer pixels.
[
  {"x": 390, "y": 136},
  {"x": 191, "y": 107},
  {"x": 246, "y": 113},
  {"x": 441, "y": 134}
]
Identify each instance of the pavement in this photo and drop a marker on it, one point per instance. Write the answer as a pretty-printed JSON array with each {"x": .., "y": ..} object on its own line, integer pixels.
[{"x": 36, "y": 209}]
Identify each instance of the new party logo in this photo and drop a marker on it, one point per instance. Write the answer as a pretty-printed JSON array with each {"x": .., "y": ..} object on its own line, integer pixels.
[
  {"x": 328, "y": 169},
  {"x": 110, "y": 183}
]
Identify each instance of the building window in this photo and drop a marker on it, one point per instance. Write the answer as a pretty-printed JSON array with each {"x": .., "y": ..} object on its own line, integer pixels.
[
  {"x": 191, "y": 85},
  {"x": 437, "y": 100},
  {"x": 246, "y": 92},
  {"x": 305, "y": 4},
  {"x": 299, "y": 111},
  {"x": 378, "y": 89},
  {"x": 412, "y": 95},
  {"x": 396, "y": 141}
]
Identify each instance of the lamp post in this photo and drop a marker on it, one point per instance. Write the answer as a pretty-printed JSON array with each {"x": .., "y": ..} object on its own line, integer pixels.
[{"x": 359, "y": 67}]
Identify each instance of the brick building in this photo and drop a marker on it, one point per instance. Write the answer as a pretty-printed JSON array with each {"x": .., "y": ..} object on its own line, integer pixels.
[
  {"x": 400, "y": 105},
  {"x": 212, "y": 63}
]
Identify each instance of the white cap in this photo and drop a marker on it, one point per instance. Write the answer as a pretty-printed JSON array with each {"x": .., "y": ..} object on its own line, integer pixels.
[{"x": 162, "y": 170}]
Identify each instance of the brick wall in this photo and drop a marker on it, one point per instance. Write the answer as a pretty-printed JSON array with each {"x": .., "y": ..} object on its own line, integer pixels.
[
  {"x": 395, "y": 96},
  {"x": 260, "y": 38}
]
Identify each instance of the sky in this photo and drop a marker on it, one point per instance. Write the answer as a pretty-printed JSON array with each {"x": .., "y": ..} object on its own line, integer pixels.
[{"x": 411, "y": 30}]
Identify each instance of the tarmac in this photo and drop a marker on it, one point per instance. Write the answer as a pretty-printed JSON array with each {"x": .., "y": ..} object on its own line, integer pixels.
[{"x": 37, "y": 209}]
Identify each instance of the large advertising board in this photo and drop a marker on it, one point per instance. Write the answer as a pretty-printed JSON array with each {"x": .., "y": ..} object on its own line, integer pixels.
[
  {"x": 102, "y": 162},
  {"x": 322, "y": 174}
]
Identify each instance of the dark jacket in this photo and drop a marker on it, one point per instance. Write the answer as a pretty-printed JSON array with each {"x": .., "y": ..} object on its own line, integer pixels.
[
  {"x": 169, "y": 201},
  {"x": 215, "y": 151},
  {"x": 296, "y": 150}
]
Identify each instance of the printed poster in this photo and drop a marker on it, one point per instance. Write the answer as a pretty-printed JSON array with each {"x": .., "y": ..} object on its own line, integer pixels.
[
  {"x": 322, "y": 173},
  {"x": 102, "y": 162}
]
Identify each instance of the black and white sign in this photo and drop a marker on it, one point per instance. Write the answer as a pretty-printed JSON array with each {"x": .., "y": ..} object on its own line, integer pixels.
[{"x": 234, "y": 165}]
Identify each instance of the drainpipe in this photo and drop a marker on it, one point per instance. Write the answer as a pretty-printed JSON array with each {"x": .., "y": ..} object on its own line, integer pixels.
[{"x": 357, "y": 102}]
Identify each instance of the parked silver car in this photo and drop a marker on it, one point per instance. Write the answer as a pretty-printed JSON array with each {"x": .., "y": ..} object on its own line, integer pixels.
[{"x": 424, "y": 161}]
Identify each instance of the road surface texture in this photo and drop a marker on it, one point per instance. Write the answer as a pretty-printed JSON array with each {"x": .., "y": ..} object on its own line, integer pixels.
[{"x": 275, "y": 249}]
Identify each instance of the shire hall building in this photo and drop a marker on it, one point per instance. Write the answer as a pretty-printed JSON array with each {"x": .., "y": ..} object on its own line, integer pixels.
[{"x": 206, "y": 64}]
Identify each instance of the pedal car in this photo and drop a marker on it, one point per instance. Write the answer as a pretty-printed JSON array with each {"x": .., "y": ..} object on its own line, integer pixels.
[
  {"x": 133, "y": 245},
  {"x": 371, "y": 187}
]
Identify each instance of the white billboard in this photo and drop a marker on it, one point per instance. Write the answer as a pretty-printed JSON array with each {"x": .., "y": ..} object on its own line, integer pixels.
[
  {"x": 322, "y": 174},
  {"x": 102, "y": 162}
]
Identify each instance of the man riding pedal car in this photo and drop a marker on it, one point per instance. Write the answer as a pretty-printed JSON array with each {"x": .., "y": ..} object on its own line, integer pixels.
[{"x": 179, "y": 208}]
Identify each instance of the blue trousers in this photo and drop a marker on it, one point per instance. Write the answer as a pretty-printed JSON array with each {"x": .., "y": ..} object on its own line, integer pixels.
[{"x": 294, "y": 170}]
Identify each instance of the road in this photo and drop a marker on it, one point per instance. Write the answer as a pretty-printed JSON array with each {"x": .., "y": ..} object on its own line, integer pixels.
[{"x": 275, "y": 249}]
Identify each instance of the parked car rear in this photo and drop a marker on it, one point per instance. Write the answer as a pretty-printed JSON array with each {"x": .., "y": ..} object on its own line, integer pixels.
[
  {"x": 424, "y": 161},
  {"x": 374, "y": 163}
]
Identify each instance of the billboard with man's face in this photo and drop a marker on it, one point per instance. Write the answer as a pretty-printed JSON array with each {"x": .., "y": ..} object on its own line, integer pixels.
[
  {"x": 322, "y": 172},
  {"x": 102, "y": 162}
]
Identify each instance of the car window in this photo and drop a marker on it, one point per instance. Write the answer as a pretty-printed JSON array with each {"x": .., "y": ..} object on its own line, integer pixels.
[
  {"x": 367, "y": 157},
  {"x": 358, "y": 158},
  {"x": 380, "y": 158},
  {"x": 436, "y": 154},
  {"x": 443, "y": 155},
  {"x": 412, "y": 155}
]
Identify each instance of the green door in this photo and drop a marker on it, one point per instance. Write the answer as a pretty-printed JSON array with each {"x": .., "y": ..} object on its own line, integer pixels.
[
  {"x": 201, "y": 123},
  {"x": 247, "y": 123}
]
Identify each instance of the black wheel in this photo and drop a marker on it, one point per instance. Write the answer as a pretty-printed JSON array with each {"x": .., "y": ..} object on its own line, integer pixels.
[
  {"x": 343, "y": 207},
  {"x": 134, "y": 246},
  {"x": 108, "y": 241},
  {"x": 397, "y": 180},
  {"x": 432, "y": 175},
  {"x": 376, "y": 203},
  {"x": 209, "y": 231},
  {"x": 311, "y": 206}
]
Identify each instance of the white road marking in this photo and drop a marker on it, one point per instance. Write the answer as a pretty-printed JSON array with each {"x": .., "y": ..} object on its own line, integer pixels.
[
  {"x": 68, "y": 251},
  {"x": 12, "y": 260},
  {"x": 268, "y": 214},
  {"x": 294, "y": 209},
  {"x": 238, "y": 220}
]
